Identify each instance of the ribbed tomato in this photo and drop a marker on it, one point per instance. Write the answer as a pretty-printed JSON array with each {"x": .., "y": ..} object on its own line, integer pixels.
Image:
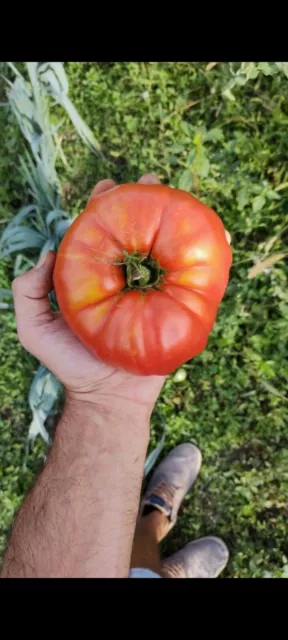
[{"x": 139, "y": 276}]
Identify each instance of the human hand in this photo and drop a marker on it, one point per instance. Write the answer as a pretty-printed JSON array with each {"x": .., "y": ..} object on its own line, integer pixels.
[{"x": 46, "y": 336}]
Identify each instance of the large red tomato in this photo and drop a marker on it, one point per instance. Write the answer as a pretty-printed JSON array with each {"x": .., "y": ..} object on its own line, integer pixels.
[{"x": 139, "y": 276}]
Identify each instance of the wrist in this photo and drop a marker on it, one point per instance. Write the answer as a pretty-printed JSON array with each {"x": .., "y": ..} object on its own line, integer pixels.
[
  {"x": 114, "y": 408},
  {"x": 111, "y": 418}
]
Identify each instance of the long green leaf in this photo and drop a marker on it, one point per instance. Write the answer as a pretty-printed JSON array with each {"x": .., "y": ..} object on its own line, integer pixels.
[
  {"x": 5, "y": 293},
  {"x": 55, "y": 80},
  {"x": 31, "y": 108},
  {"x": 24, "y": 213},
  {"x": 44, "y": 392},
  {"x": 59, "y": 71},
  {"x": 15, "y": 234},
  {"x": 22, "y": 238},
  {"x": 45, "y": 194},
  {"x": 81, "y": 127},
  {"x": 14, "y": 69},
  {"x": 22, "y": 264},
  {"x": 270, "y": 387},
  {"x": 61, "y": 227},
  {"x": 54, "y": 215},
  {"x": 152, "y": 457},
  {"x": 50, "y": 245}
]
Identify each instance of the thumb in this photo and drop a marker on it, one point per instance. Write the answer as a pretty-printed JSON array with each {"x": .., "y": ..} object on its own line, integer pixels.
[{"x": 32, "y": 305}]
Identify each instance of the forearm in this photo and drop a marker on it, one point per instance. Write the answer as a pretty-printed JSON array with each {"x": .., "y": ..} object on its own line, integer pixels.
[{"x": 79, "y": 518}]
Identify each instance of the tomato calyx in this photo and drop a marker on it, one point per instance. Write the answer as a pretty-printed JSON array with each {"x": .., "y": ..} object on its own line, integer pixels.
[{"x": 141, "y": 271}]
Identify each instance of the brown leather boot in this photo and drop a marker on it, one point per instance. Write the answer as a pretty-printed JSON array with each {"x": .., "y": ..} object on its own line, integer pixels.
[{"x": 171, "y": 480}]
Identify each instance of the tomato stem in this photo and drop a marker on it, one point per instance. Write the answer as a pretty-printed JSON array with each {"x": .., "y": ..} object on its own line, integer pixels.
[{"x": 142, "y": 271}]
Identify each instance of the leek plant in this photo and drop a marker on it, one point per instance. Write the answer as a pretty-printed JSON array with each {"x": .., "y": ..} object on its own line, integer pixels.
[{"x": 39, "y": 226}]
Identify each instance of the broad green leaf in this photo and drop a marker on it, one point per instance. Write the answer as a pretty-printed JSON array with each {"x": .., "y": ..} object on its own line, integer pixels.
[
  {"x": 240, "y": 80},
  {"x": 191, "y": 157},
  {"x": 213, "y": 135},
  {"x": 242, "y": 198},
  {"x": 186, "y": 180},
  {"x": 247, "y": 509},
  {"x": 265, "y": 68},
  {"x": 252, "y": 72},
  {"x": 272, "y": 195},
  {"x": 202, "y": 164},
  {"x": 283, "y": 66},
  {"x": 186, "y": 128},
  {"x": 177, "y": 148},
  {"x": 258, "y": 203},
  {"x": 197, "y": 140},
  {"x": 231, "y": 84}
]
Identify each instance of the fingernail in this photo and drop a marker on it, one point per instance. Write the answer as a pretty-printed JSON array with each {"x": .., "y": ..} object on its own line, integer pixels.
[
  {"x": 228, "y": 236},
  {"x": 149, "y": 178},
  {"x": 41, "y": 261}
]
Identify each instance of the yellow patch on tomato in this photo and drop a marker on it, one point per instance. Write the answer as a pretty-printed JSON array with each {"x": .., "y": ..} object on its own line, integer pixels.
[
  {"x": 118, "y": 210},
  {"x": 198, "y": 277},
  {"x": 85, "y": 292},
  {"x": 196, "y": 255},
  {"x": 91, "y": 236},
  {"x": 185, "y": 226},
  {"x": 92, "y": 317}
]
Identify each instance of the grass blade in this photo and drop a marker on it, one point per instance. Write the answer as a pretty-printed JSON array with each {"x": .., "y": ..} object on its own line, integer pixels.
[
  {"x": 152, "y": 457},
  {"x": 264, "y": 264}
]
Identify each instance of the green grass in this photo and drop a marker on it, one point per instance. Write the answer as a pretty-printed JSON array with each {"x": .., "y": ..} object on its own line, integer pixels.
[{"x": 233, "y": 402}]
